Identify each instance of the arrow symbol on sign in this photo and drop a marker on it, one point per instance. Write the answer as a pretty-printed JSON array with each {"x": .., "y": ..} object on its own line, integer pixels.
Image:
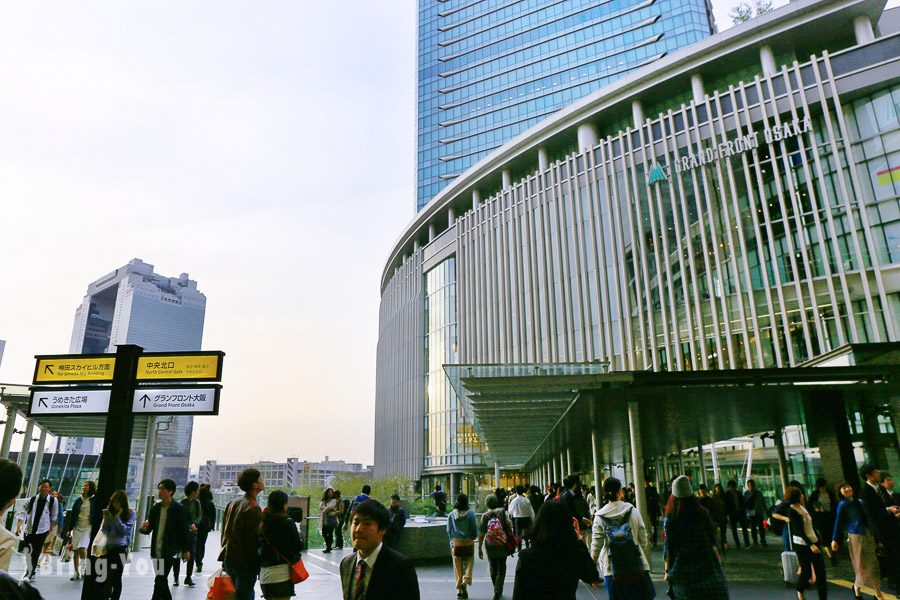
[
  {"x": 48, "y": 369},
  {"x": 145, "y": 399},
  {"x": 42, "y": 402}
]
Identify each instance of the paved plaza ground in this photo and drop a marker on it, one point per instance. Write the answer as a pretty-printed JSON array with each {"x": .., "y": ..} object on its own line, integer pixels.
[{"x": 752, "y": 574}]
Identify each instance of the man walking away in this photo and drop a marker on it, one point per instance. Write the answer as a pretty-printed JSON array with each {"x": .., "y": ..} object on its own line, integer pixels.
[
  {"x": 343, "y": 510},
  {"x": 39, "y": 519},
  {"x": 755, "y": 504},
  {"x": 207, "y": 524},
  {"x": 374, "y": 571},
  {"x": 169, "y": 526},
  {"x": 522, "y": 514},
  {"x": 737, "y": 513},
  {"x": 653, "y": 508},
  {"x": 194, "y": 513},
  {"x": 240, "y": 526}
]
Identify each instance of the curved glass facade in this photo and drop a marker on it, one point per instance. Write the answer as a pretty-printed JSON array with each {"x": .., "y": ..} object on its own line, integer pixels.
[
  {"x": 754, "y": 225},
  {"x": 450, "y": 438},
  {"x": 490, "y": 69}
]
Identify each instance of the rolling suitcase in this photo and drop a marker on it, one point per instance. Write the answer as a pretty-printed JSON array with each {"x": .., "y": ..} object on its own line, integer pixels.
[{"x": 790, "y": 564}]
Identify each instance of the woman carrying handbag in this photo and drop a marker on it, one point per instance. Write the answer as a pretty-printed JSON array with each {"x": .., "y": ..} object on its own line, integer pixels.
[{"x": 279, "y": 550}]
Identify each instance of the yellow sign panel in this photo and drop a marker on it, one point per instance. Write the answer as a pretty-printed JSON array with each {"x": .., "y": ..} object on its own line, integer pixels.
[
  {"x": 74, "y": 369},
  {"x": 182, "y": 367}
]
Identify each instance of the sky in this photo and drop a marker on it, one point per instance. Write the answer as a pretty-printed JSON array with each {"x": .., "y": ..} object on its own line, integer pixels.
[{"x": 265, "y": 148}]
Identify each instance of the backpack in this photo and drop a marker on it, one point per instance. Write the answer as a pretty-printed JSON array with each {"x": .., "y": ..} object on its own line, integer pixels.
[
  {"x": 624, "y": 555},
  {"x": 496, "y": 533}
]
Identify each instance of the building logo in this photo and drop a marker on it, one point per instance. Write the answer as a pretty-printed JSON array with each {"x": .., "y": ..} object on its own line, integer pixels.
[{"x": 657, "y": 174}]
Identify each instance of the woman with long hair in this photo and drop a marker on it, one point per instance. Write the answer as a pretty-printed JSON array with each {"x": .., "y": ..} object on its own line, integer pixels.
[
  {"x": 279, "y": 548},
  {"x": 462, "y": 529},
  {"x": 805, "y": 541},
  {"x": 630, "y": 580},
  {"x": 118, "y": 526},
  {"x": 852, "y": 516},
  {"x": 328, "y": 511},
  {"x": 693, "y": 562},
  {"x": 556, "y": 560}
]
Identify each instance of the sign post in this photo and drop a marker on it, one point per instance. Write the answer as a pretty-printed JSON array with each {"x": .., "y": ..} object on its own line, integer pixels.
[{"x": 119, "y": 424}]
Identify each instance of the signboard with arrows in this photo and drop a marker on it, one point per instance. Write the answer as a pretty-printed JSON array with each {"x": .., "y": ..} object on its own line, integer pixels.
[
  {"x": 177, "y": 401},
  {"x": 69, "y": 401},
  {"x": 77, "y": 368}
]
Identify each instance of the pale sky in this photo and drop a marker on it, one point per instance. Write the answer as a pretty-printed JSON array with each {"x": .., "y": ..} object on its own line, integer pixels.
[{"x": 265, "y": 148}]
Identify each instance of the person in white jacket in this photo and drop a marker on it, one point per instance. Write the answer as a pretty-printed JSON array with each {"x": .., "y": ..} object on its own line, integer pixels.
[{"x": 638, "y": 587}]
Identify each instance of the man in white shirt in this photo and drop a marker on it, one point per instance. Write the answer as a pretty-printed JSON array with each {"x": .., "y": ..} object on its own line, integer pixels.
[
  {"x": 522, "y": 514},
  {"x": 39, "y": 518}
]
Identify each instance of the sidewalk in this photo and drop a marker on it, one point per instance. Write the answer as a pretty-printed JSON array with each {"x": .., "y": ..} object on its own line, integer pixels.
[{"x": 751, "y": 574}]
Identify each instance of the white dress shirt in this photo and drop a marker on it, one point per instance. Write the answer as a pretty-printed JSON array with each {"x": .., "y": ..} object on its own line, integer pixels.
[{"x": 45, "y": 520}]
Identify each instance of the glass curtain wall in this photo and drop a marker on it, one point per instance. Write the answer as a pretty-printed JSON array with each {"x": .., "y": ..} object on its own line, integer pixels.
[{"x": 450, "y": 438}]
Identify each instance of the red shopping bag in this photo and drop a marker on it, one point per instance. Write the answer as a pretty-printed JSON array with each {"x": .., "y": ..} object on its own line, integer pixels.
[{"x": 221, "y": 586}]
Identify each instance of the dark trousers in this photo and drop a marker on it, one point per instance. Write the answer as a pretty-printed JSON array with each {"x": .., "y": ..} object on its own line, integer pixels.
[
  {"x": 328, "y": 535},
  {"x": 161, "y": 568},
  {"x": 35, "y": 542},
  {"x": 189, "y": 570},
  {"x": 654, "y": 520},
  {"x": 736, "y": 520},
  {"x": 115, "y": 567},
  {"x": 339, "y": 535},
  {"x": 244, "y": 580},
  {"x": 521, "y": 525},
  {"x": 498, "y": 573},
  {"x": 722, "y": 526},
  {"x": 200, "y": 547},
  {"x": 811, "y": 562},
  {"x": 756, "y": 528}
]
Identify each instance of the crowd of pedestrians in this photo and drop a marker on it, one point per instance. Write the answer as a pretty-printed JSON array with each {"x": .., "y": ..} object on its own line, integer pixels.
[{"x": 566, "y": 534}]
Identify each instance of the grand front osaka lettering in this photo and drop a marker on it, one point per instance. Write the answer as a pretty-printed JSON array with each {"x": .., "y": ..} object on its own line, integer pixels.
[{"x": 742, "y": 144}]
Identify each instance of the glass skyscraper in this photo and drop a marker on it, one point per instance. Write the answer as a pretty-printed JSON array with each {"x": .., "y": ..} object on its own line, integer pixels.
[
  {"x": 134, "y": 305},
  {"x": 490, "y": 69}
]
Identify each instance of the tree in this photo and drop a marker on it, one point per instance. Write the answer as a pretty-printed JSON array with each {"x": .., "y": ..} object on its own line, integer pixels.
[{"x": 746, "y": 11}]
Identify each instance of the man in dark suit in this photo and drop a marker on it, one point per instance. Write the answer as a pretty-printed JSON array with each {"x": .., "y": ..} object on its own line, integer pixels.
[
  {"x": 169, "y": 525},
  {"x": 374, "y": 571},
  {"x": 884, "y": 522}
]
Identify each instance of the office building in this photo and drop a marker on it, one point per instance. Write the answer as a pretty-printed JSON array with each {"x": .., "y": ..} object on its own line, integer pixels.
[
  {"x": 289, "y": 474},
  {"x": 490, "y": 69},
  {"x": 134, "y": 305},
  {"x": 604, "y": 289}
]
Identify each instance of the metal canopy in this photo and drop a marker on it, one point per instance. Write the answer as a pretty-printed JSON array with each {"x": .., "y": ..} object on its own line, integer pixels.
[
  {"x": 17, "y": 397},
  {"x": 528, "y": 414}
]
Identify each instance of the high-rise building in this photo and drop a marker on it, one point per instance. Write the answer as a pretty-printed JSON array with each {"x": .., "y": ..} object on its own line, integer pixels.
[
  {"x": 490, "y": 69},
  {"x": 730, "y": 210},
  {"x": 134, "y": 305}
]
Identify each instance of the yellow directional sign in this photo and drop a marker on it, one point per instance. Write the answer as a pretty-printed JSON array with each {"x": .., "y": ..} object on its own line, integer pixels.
[
  {"x": 74, "y": 369},
  {"x": 200, "y": 366}
]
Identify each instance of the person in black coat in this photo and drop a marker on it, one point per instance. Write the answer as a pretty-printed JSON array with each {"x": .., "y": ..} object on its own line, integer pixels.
[
  {"x": 736, "y": 510},
  {"x": 168, "y": 538},
  {"x": 557, "y": 559},
  {"x": 374, "y": 569},
  {"x": 207, "y": 524},
  {"x": 279, "y": 548},
  {"x": 884, "y": 523}
]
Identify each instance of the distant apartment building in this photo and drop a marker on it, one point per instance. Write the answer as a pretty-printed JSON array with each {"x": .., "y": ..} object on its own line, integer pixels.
[
  {"x": 289, "y": 474},
  {"x": 134, "y": 305}
]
